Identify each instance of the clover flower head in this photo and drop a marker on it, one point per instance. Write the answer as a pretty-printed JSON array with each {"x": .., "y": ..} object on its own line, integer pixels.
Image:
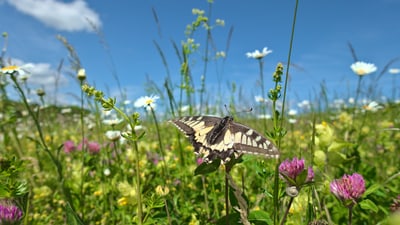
[
  {"x": 257, "y": 54},
  {"x": 10, "y": 214},
  {"x": 349, "y": 188},
  {"x": 294, "y": 174},
  {"x": 69, "y": 146},
  {"x": 395, "y": 206},
  {"x": 93, "y": 147},
  {"x": 362, "y": 68},
  {"x": 310, "y": 174},
  {"x": 292, "y": 168},
  {"x": 147, "y": 102}
]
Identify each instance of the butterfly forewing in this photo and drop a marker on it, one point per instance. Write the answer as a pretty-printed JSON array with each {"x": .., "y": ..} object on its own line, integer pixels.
[{"x": 215, "y": 137}]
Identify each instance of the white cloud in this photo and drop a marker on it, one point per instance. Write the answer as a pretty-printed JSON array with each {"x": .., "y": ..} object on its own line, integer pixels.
[
  {"x": 42, "y": 75},
  {"x": 71, "y": 16}
]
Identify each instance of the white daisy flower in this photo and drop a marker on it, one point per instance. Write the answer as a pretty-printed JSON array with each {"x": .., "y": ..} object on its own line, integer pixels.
[
  {"x": 394, "y": 70},
  {"x": 81, "y": 74},
  {"x": 147, "y": 102},
  {"x": 259, "y": 99},
  {"x": 362, "y": 68},
  {"x": 113, "y": 135},
  {"x": 112, "y": 122},
  {"x": 107, "y": 172},
  {"x": 257, "y": 54},
  {"x": 372, "y": 106},
  {"x": 292, "y": 112},
  {"x": 20, "y": 70}
]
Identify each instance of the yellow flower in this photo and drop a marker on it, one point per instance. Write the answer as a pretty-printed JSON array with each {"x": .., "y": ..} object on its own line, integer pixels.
[
  {"x": 324, "y": 134},
  {"x": 194, "y": 220},
  {"x": 126, "y": 189},
  {"x": 299, "y": 205},
  {"x": 48, "y": 139},
  {"x": 162, "y": 191},
  {"x": 122, "y": 201},
  {"x": 98, "y": 193},
  {"x": 344, "y": 118},
  {"x": 319, "y": 158}
]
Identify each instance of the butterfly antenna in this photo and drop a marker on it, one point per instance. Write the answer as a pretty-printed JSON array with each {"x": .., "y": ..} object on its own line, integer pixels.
[{"x": 242, "y": 111}]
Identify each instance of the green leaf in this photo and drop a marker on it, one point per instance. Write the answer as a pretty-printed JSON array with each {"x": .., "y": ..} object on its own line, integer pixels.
[
  {"x": 72, "y": 217},
  {"x": 260, "y": 217},
  {"x": 206, "y": 168},
  {"x": 234, "y": 219},
  {"x": 372, "y": 189},
  {"x": 368, "y": 204}
]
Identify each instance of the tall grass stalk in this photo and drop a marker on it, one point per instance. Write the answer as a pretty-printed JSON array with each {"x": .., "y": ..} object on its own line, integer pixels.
[
  {"x": 132, "y": 137},
  {"x": 276, "y": 176},
  {"x": 262, "y": 86},
  {"x": 160, "y": 144},
  {"x": 84, "y": 153},
  {"x": 41, "y": 142}
]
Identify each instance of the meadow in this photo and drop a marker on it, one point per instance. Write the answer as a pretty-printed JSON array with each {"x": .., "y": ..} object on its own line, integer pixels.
[{"x": 119, "y": 161}]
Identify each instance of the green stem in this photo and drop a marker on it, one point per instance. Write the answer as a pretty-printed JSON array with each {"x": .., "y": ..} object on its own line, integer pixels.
[
  {"x": 263, "y": 106},
  {"x": 287, "y": 211},
  {"x": 82, "y": 196},
  {"x": 227, "y": 195},
  {"x": 357, "y": 91},
  {"x": 350, "y": 214},
  {"x": 165, "y": 170},
  {"x": 276, "y": 178},
  {"x": 138, "y": 189}
]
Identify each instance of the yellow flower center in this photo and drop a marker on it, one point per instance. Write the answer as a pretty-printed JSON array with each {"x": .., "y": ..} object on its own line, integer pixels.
[
  {"x": 361, "y": 71},
  {"x": 10, "y": 68},
  {"x": 149, "y": 101}
]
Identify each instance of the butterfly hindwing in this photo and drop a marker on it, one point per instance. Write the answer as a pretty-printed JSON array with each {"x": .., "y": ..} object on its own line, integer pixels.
[
  {"x": 250, "y": 141},
  {"x": 215, "y": 137}
]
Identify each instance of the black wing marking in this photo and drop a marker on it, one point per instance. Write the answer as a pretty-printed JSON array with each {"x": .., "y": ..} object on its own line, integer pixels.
[{"x": 215, "y": 137}]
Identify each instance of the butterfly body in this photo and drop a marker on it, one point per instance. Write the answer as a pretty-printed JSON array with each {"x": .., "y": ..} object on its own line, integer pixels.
[{"x": 215, "y": 137}]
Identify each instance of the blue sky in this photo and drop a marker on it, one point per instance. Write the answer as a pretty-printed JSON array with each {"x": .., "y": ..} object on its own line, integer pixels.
[{"x": 320, "y": 51}]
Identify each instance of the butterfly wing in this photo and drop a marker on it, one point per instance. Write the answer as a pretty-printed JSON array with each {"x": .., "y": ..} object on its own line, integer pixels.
[
  {"x": 215, "y": 137},
  {"x": 205, "y": 138},
  {"x": 247, "y": 140}
]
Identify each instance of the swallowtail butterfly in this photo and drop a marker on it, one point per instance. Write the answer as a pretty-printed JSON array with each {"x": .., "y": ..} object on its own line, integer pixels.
[{"x": 215, "y": 137}]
